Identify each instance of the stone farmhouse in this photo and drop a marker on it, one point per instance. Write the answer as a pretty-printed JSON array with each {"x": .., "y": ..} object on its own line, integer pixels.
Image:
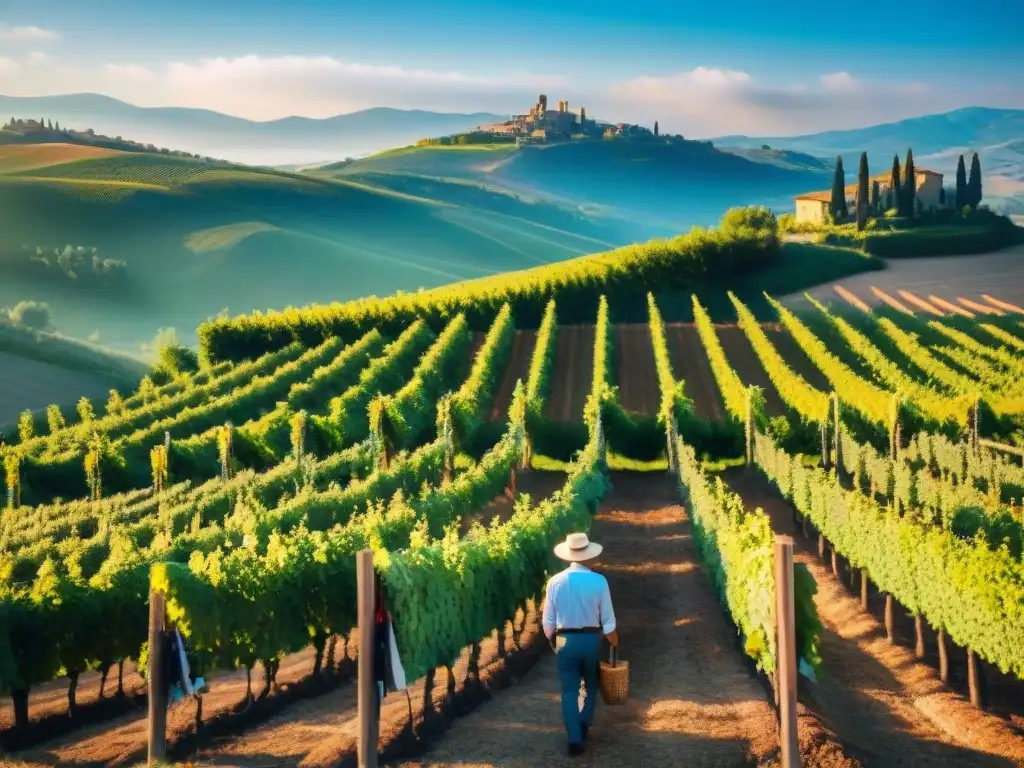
[{"x": 813, "y": 206}]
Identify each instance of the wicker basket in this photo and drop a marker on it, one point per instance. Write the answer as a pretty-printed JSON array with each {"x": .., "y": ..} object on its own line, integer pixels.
[{"x": 613, "y": 678}]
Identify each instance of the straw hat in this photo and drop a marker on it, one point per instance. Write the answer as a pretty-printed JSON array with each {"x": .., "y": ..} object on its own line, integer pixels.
[{"x": 577, "y": 547}]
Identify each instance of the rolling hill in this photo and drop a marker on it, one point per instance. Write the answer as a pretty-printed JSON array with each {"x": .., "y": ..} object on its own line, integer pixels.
[
  {"x": 198, "y": 238},
  {"x": 659, "y": 186},
  {"x": 937, "y": 140},
  {"x": 290, "y": 140}
]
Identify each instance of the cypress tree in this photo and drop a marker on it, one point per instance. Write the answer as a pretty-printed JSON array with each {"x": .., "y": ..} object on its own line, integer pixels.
[
  {"x": 838, "y": 206},
  {"x": 875, "y": 195},
  {"x": 895, "y": 186},
  {"x": 974, "y": 182},
  {"x": 909, "y": 185},
  {"x": 655, "y": 127},
  {"x": 862, "y": 191},
  {"x": 961, "y": 184}
]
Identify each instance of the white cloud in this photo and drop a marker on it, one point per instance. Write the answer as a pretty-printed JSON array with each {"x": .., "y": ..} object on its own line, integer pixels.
[
  {"x": 11, "y": 34},
  {"x": 716, "y": 102},
  {"x": 38, "y": 57},
  {"x": 129, "y": 72},
  {"x": 320, "y": 86},
  {"x": 8, "y": 66},
  {"x": 839, "y": 81}
]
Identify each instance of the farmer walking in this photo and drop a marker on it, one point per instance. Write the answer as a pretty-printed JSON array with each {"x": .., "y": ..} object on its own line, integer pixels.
[{"x": 577, "y": 612}]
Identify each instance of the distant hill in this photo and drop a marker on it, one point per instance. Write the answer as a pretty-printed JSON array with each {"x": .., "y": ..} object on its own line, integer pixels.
[
  {"x": 997, "y": 135},
  {"x": 658, "y": 186},
  {"x": 198, "y": 237},
  {"x": 288, "y": 141}
]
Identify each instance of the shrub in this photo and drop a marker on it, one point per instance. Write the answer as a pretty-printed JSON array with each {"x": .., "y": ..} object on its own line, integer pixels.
[{"x": 31, "y": 314}]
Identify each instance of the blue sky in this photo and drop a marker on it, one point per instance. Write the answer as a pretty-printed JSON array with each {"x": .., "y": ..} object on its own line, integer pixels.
[{"x": 702, "y": 69}]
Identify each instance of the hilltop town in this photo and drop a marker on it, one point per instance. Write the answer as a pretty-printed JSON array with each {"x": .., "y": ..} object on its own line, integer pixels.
[{"x": 542, "y": 125}]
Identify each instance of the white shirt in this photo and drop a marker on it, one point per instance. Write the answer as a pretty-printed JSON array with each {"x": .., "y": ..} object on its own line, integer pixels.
[{"x": 578, "y": 597}]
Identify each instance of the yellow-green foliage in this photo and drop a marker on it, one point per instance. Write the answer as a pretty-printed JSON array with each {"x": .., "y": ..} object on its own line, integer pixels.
[
  {"x": 746, "y": 239},
  {"x": 227, "y": 236}
]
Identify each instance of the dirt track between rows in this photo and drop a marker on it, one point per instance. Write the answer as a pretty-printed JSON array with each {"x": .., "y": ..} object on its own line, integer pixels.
[
  {"x": 693, "y": 700},
  {"x": 690, "y": 365},
  {"x": 573, "y": 373}
]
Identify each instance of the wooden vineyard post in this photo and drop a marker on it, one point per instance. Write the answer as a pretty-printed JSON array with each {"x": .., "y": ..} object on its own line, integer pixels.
[
  {"x": 785, "y": 613},
  {"x": 837, "y": 450},
  {"x": 943, "y": 657},
  {"x": 975, "y": 436},
  {"x": 157, "y": 685},
  {"x": 750, "y": 427},
  {"x": 367, "y": 694},
  {"x": 823, "y": 429}
]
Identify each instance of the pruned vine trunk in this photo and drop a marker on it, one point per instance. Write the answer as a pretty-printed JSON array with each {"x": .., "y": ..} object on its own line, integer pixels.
[
  {"x": 919, "y": 648},
  {"x": 19, "y": 698},
  {"x": 975, "y": 680},
  {"x": 72, "y": 692},
  {"x": 120, "y": 677},
  {"x": 864, "y": 589},
  {"x": 104, "y": 672}
]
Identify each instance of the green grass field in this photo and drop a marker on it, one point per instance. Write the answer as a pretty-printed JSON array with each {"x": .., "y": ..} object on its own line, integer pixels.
[{"x": 200, "y": 238}]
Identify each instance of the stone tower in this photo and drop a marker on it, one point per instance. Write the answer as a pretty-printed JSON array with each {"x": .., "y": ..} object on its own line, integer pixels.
[{"x": 543, "y": 101}]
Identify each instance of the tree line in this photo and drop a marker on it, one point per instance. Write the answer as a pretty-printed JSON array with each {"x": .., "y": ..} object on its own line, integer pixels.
[{"x": 901, "y": 193}]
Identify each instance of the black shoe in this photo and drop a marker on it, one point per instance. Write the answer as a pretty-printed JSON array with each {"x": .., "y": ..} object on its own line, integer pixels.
[
  {"x": 585, "y": 729},
  {"x": 575, "y": 750}
]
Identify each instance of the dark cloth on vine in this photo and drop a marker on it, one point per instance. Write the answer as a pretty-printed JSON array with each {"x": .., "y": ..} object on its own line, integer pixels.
[
  {"x": 388, "y": 672},
  {"x": 178, "y": 675}
]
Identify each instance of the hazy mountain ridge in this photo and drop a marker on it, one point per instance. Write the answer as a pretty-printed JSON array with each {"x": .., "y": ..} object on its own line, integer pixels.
[{"x": 284, "y": 141}]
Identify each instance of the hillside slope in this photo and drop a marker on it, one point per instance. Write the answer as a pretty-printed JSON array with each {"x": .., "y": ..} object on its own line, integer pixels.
[
  {"x": 198, "y": 238},
  {"x": 657, "y": 184}
]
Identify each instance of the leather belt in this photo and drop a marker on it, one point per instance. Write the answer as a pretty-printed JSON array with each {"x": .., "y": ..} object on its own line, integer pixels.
[{"x": 577, "y": 630}]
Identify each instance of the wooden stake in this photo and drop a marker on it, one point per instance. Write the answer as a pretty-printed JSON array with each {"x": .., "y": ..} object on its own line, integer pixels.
[
  {"x": 155, "y": 679},
  {"x": 835, "y": 563},
  {"x": 863, "y": 589},
  {"x": 889, "y": 621},
  {"x": 821, "y": 545},
  {"x": 367, "y": 693},
  {"x": 943, "y": 658},
  {"x": 837, "y": 453},
  {"x": 785, "y": 612},
  {"x": 750, "y": 427},
  {"x": 919, "y": 648}
]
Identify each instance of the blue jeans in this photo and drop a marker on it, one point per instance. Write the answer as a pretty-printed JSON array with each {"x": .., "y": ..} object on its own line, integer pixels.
[{"x": 577, "y": 660}]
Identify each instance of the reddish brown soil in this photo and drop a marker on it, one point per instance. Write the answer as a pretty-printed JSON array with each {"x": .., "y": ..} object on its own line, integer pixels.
[
  {"x": 52, "y": 698},
  {"x": 518, "y": 369},
  {"x": 886, "y": 707},
  {"x": 744, "y": 360},
  {"x": 690, "y": 364},
  {"x": 474, "y": 346},
  {"x": 796, "y": 357},
  {"x": 693, "y": 701},
  {"x": 637, "y": 374},
  {"x": 573, "y": 373}
]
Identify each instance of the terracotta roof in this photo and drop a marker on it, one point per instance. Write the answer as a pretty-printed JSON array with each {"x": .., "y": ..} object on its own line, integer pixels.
[{"x": 851, "y": 189}]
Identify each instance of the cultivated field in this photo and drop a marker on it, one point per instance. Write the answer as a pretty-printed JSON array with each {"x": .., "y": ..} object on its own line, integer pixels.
[{"x": 280, "y": 468}]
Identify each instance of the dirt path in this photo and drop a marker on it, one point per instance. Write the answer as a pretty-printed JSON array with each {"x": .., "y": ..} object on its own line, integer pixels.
[
  {"x": 692, "y": 701},
  {"x": 637, "y": 374},
  {"x": 690, "y": 364},
  {"x": 573, "y": 373},
  {"x": 518, "y": 368},
  {"x": 744, "y": 360},
  {"x": 796, "y": 357},
  {"x": 886, "y": 707}
]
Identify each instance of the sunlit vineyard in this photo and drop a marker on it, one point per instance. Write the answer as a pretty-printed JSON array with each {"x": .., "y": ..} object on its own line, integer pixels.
[{"x": 242, "y": 492}]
